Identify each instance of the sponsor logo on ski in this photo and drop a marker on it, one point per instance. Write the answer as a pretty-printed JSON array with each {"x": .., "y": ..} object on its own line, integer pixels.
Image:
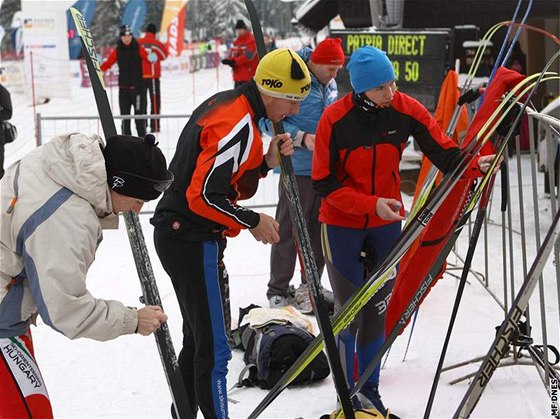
[
  {"x": 87, "y": 38},
  {"x": 425, "y": 216},
  {"x": 499, "y": 349},
  {"x": 415, "y": 300}
]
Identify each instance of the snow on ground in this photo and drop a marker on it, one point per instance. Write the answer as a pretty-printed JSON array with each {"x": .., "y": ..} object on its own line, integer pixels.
[{"x": 124, "y": 378}]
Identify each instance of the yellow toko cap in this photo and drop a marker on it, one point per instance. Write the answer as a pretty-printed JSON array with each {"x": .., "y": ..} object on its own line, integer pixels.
[{"x": 283, "y": 74}]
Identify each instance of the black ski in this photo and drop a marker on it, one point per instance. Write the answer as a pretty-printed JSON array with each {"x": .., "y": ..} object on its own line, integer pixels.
[
  {"x": 150, "y": 291},
  {"x": 303, "y": 243},
  {"x": 509, "y": 327}
]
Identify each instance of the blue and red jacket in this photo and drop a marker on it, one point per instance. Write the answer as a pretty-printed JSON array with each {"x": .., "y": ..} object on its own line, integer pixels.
[{"x": 357, "y": 156}]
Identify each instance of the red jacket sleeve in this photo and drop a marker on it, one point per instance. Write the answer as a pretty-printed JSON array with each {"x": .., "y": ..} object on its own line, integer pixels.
[{"x": 110, "y": 61}]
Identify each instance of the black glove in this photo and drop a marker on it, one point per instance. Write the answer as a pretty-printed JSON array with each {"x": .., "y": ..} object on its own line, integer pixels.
[
  {"x": 471, "y": 95},
  {"x": 229, "y": 62},
  {"x": 504, "y": 126}
]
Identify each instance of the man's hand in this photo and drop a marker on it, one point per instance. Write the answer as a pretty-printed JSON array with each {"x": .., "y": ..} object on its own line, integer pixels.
[
  {"x": 309, "y": 141},
  {"x": 484, "y": 163},
  {"x": 267, "y": 230},
  {"x": 150, "y": 318},
  {"x": 227, "y": 61},
  {"x": 388, "y": 209},
  {"x": 286, "y": 148}
]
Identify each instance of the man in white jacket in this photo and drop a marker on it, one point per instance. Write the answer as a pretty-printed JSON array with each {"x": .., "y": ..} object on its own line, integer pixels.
[{"x": 54, "y": 203}]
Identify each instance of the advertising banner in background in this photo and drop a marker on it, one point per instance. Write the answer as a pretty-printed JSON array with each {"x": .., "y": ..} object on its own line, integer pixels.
[
  {"x": 133, "y": 15},
  {"x": 173, "y": 25},
  {"x": 46, "y": 49}
]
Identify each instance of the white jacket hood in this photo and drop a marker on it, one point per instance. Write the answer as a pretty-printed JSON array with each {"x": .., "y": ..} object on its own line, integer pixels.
[{"x": 76, "y": 162}]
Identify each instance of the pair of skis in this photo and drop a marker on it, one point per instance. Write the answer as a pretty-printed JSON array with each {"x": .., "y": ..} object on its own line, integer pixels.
[{"x": 181, "y": 404}]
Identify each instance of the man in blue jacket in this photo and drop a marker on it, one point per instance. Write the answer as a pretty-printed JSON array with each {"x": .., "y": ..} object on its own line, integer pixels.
[{"x": 323, "y": 63}]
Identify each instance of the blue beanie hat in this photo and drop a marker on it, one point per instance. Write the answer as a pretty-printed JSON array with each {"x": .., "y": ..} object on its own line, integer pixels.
[{"x": 369, "y": 67}]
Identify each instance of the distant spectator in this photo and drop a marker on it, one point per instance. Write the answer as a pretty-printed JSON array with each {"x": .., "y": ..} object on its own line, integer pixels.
[
  {"x": 270, "y": 43},
  {"x": 243, "y": 58},
  {"x": 5, "y": 114},
  {"x": 151, "y": 71},
  {"x": 517, "y": 60},
  {"x": 129, "y": 55}
]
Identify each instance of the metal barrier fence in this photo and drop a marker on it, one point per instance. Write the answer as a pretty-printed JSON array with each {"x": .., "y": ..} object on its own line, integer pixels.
[{"x": 170, "y": 130}]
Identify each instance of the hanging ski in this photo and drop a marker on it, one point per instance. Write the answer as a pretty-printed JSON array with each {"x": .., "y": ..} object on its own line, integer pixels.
[
  {"x": 303, "y": 243},
  {"x": 150, "y": 291}
]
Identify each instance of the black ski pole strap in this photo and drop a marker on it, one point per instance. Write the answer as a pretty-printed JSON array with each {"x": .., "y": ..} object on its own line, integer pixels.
[
  {"x": 244, "y": 379},
  {"x": 553, "y": 349}
]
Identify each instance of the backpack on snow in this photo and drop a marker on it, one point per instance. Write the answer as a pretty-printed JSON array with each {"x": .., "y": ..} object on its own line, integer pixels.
[{"x": 271, "y": 349}]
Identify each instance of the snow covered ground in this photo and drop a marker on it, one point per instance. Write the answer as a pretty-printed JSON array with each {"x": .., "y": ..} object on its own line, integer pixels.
[{"x": 124, "y": 379}]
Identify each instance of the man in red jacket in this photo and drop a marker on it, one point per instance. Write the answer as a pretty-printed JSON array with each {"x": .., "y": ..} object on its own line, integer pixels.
[
  {"x": 243, "y": 58},
  {"x": 151, "y": 71},
  {"x": 129, "y": 56}
]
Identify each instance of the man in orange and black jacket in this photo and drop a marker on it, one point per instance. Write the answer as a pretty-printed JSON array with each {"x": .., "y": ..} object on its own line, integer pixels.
[{"x": 218, "y": 161}]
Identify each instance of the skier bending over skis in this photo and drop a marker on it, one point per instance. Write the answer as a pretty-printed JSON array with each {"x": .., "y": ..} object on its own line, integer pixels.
[
  {"x": 358, "y": 148},
  {"x": 54, "y": 204},
  {"x": 218, "y": 161}
]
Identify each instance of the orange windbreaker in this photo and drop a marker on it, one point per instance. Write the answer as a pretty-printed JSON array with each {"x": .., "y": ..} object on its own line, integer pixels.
[{"x": 218, "y": 161}]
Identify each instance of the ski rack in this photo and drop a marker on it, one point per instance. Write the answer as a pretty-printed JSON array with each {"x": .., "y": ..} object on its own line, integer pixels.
[{"x": 470, "y": 206}]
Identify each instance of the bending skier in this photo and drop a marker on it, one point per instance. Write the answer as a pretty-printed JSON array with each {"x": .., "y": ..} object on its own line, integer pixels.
[
  {"x": 219, "y": 160},
  {"x": 54, "y": 204},
  {"x": 358, "y": 148}
]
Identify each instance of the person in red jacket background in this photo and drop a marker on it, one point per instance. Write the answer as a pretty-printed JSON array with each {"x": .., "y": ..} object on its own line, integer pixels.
[
  {"x": 129, "y": 56},
  {"x": 243, "y": 58},
  {"x": 151, "y": 71}
]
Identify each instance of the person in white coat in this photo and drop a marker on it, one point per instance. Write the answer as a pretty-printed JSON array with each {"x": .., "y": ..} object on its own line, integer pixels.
[{"x": 54, "y": 204}]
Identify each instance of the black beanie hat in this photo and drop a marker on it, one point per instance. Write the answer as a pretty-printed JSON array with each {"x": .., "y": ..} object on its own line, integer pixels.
[
  {"x": 136, "y": 167},
  {"x": 151, "y": 28},
  {"x": 240, "y": 25},
  {"x": 125, "y": 30}
]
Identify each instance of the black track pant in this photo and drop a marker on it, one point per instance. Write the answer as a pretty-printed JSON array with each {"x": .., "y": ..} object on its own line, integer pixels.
[
  {"x": 201, "y": 284},
  {"x": 135, "y": 99}
]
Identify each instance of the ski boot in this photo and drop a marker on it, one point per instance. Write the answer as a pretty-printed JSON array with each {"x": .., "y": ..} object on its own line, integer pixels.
[{"x": 369, "y": 398}]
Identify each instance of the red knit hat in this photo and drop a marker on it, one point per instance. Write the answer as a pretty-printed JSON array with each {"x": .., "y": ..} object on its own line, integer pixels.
[{"x": 329, "y": 51}]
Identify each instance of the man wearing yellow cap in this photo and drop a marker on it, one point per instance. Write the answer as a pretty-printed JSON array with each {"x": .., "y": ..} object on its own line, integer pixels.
[{"x": 218, "y": 161}]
